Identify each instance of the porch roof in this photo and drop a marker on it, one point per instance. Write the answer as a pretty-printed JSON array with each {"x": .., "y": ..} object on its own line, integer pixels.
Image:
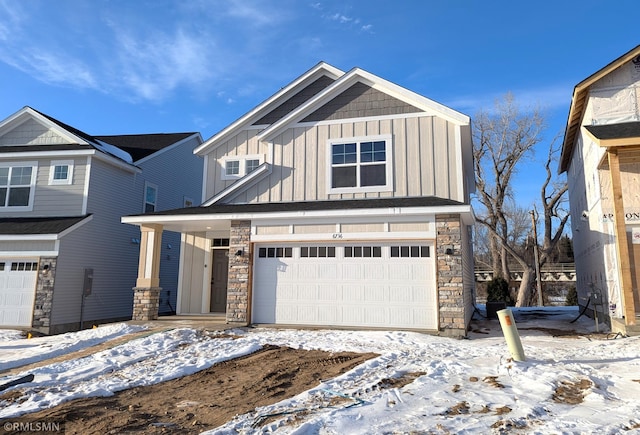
[
  {"x": 219, "y": 216},
  {"x": 25, "y": 226}
]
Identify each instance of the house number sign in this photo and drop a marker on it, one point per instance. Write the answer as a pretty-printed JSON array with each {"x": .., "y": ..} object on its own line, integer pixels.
[{"x": 337, "y": 235}]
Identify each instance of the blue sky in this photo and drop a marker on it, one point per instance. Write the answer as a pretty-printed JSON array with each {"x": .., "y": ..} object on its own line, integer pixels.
[{"x": 148, "y": 66}]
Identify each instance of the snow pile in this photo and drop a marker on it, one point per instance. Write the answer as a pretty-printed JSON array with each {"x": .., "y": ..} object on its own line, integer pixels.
[{"x": 419, "y": 383}]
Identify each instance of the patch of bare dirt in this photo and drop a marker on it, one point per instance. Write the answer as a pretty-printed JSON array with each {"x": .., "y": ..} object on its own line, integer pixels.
[
  {"x": 571, "y": 393},
  {"x": 204, "y": 400}
]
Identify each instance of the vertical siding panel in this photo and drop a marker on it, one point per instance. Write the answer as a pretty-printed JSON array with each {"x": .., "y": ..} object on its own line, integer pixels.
[
  {"x": 400, "y": 157},
  {"x": 427, "y": 166},
  {"x": 454, "y": 162},
  {"x": 285, "y": 187},
  {"x": 372, "y": 128},
  {"x": 310, "y": 174},
  {"x": 413, "y": 157},
  {"x": 322, "y": 150},
  {"x": 386, "y": 127},
  {"x": 441, "y": 157},
  {"x": 299, "y": 165}
]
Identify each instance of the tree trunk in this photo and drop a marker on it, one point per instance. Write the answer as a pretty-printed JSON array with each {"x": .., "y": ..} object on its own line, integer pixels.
[
  {"x": 526, "y": 286},
  {"x": 496, "y": 262}
]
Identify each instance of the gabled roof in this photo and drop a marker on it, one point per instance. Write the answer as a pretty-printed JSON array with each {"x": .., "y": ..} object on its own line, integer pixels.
[
  {"x": 320, "y": 70},
  {"x": 579, "y": 104},
  {"x": 77, "y": 139},
  {"x": 248, "y": 180},
  {"x": 140, "y": 146},
  {"x": 354, "y": 76},
  {"x": 38, "y": 225}
]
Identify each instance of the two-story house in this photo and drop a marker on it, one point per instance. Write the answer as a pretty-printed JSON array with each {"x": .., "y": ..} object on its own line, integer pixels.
[
  {"x": 601, "y": 156},
  {"x": 66, "y": 260},
  {"x": 342, "y": 200}
]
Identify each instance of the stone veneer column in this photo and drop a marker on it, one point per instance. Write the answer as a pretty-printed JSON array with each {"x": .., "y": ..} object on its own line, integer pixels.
[
  {"x": 146, "y": 293},
  {"x": 451, "y": 304},
  {"x": 239, "y": 271},
  {"x": 44, "y": 294}
]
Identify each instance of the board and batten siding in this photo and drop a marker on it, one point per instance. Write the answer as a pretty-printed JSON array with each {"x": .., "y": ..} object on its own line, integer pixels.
[
  {"x": 54, "y": 200},
  {"x": 106, "y": 246},
  {"x": 426, "y": 160},
  {"x": 244, "y": 143},
  {"x": 193, "y": 256}
]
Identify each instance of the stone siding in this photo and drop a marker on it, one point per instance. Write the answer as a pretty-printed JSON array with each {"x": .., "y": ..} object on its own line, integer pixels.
[
  {"x": 451, "y": 303},
  {"x": 44, "y": 294},
  {"x": 145, "y": 303},
  {"x": 239, "y": 272}
]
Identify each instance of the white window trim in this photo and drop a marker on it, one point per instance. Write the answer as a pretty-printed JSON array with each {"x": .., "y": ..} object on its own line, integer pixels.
[
  {"x": 32, "y": 185},
  {"x": 243, "y": 165},
  {"x": 66, "y": 181},
  {"x": 144, "y": 197},
  {"x": 388, "y": 187}
]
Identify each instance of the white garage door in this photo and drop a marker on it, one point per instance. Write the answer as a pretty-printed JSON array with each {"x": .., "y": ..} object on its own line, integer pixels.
[
  {"x": 17, "y": 291},
  {"x": 370, "y": 285}
]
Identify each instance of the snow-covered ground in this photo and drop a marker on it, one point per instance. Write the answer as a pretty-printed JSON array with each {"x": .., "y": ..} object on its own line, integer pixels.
[{"x": 460, "y": 386}]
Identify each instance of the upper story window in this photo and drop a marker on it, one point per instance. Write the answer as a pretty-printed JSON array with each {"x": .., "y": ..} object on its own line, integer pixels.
[
  {"x": 235, "y": 167},
  {"x": 360, "y": 165},
  {"x": 150, "y": 197},
  {"x": 17, "y": 185},
  {"x": 61, "y": 172}
]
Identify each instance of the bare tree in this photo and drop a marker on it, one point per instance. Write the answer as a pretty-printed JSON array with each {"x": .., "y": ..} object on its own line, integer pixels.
[{"x": 503, "y": 141}]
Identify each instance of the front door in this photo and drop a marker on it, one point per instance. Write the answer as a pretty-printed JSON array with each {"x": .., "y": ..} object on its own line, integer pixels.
[{"x": 219, "y": 277}]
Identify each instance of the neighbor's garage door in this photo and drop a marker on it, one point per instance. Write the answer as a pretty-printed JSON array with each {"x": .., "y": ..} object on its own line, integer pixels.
[
  {"x": 368, "y": 285},
  {"x": 17, "y": 291}
]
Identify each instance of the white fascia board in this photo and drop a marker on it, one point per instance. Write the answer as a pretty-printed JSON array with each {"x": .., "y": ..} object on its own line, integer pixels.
[
  {"x": 170, "y": 147},
  {"x": 29, "y": 254},
  {"x": 349, "y": 79},
  {"x": 28, "y": 237},
  {"x": 235, "y": 188},
  {"x": 318, "y": 70},
  {"x": 75, "y": 226},
  {"x": 48, "y": 154},
  {"x": 300, "y": 214},
  {"x": 117, "y": 162}
]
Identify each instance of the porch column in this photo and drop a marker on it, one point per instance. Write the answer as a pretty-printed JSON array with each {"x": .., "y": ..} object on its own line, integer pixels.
[
  {"x": 622, "y": 245},
  {"x": 146, "y": 293},
  {"x": 451, "y": 303},
  {"x": 239, "y": 273}
]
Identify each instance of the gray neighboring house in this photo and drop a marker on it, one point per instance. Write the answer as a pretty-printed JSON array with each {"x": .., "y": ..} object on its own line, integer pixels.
[
  {"x": 343, "y": 200},
  {"x": 66, "y": 261}
]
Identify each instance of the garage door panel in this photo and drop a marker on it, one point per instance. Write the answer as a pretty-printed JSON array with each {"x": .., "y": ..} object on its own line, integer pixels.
[
  {"x": 381, "y": 291},
  {"x": 17, "y": 292}
]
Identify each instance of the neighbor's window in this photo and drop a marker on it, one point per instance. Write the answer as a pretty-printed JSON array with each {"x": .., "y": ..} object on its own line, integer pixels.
[
  {"x": 61, "y": 172},
  {"x": 150, "y": 197},
  {"x": 17, "y": 185},
  {"x": 360, "y": 164}
]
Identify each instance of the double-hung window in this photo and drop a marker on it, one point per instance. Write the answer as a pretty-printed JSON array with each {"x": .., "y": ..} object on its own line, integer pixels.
[
  {"x": 17, "y": 185},
  {"x": 360, "y": 165},
  {"x": 150, "y": 197}
]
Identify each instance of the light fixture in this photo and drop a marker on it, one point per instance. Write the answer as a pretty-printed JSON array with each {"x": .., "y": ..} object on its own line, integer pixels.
[
  {"x": 239, "y": 253},
  {"x": 448, "y": 251}
]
